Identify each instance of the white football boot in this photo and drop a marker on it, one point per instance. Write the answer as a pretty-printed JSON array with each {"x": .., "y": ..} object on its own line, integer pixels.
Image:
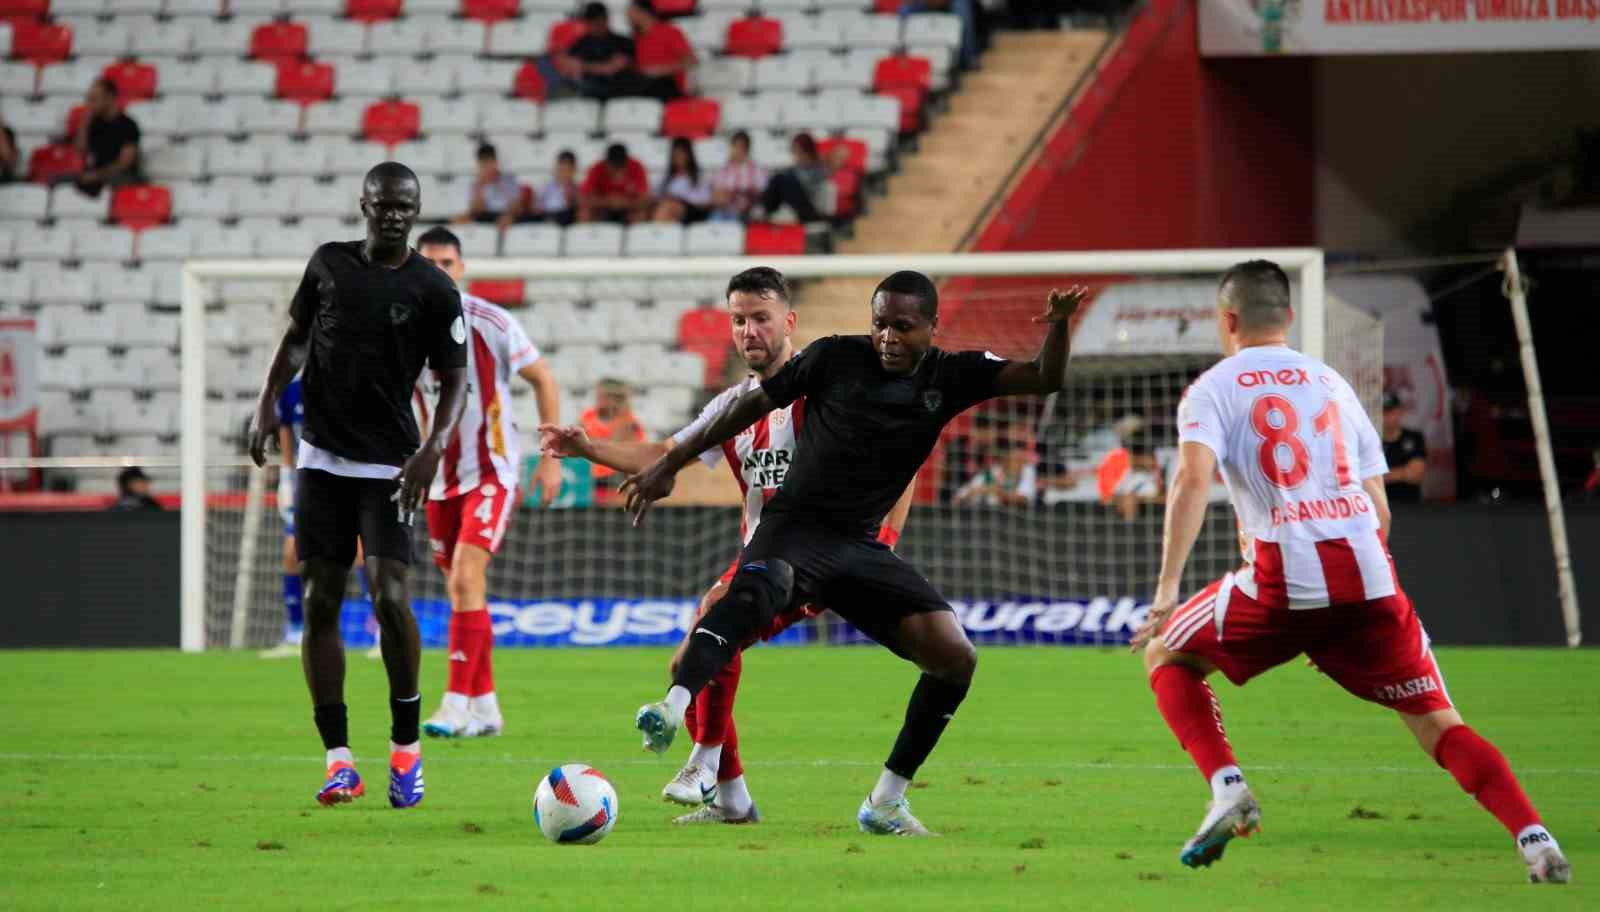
[
  {"x": 655, "y": 721},
  {"x": 1223, "y": 821},
  {"x": 481, "y": 725},
  {"x": 712, "y": 813},
  {"x": 890, "y": 818},
  {"x": 693, "y": 786},
  {"x": 448, "y": 723},
  {"x": 1549, "y": 866}
]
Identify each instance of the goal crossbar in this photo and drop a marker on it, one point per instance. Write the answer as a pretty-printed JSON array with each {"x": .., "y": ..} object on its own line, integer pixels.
[{"x": 1305, "y": 264}]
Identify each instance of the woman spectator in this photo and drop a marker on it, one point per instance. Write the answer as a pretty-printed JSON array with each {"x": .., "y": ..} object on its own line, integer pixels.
[
  {"x": 685, "y": 194},
  {"x": 800, "y": 185},
  {"x": 738, "y": 184}
]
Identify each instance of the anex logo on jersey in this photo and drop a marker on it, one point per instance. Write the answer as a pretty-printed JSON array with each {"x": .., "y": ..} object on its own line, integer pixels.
[{"x": 766, "y": 468}]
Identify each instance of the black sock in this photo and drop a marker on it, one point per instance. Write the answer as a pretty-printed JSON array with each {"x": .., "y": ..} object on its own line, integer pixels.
[
  {"x": 406, "y": 716},
  {"x": 932, "y": 704},
  {"x": 705, "y": 657},
  {"x": 333, "y": 724}
]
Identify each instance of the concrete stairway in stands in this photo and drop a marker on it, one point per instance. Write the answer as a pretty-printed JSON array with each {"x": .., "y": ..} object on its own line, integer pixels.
[{"x": 941, "y": 189}]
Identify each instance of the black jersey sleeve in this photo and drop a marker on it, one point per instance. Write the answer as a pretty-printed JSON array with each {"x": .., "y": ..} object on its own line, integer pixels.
[
  {"x": 968, "y": 377},
  {"x": 308, "y": 297},
  {"x": 801, "y": 375},
  {"x": 447, "y": 328}
]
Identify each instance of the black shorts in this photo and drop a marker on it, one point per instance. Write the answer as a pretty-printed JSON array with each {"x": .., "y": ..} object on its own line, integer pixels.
[
  {"x": 853, "y": 575},
  {"x": 332, "y": 511}
]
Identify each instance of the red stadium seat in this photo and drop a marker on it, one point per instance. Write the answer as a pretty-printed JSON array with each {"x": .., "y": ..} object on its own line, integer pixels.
[
  {"x": 38, "y": 43},
  {"x": 134, "y": 81},
  {"x": 141, "y": 206},
  {"x": 903, "y": 72},
  {"x": 754, "y": 37},
  {"x": 304, "y": 81},
  {"x": 489, "y": 10},
  {"x": 50, "y": 162},
  {"x": 886, "y": 6},
  {"x": 391, "y": 122},
  {"x": 855, "y": 152},
  {"x": 563, "y": 34},
  {"x": 705, "y": 331},
  {"x": 910, "y": 107},
  {"x": 272, "y": 42},
  {"x": 528, "y": 83},
  {"x": 505, "y": 292},
  {"x": 761, "y": 239},
  {"x": 847, "y": 193},
  {"x": 674, "y": 7},
  {"x": 372, "y": 10},
  {"x": 691, "y": 118},
  {"x": 23, "y": 9}
]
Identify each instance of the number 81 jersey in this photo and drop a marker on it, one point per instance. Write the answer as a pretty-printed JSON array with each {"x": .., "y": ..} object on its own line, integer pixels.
[{"x": 1294, "y": 444}]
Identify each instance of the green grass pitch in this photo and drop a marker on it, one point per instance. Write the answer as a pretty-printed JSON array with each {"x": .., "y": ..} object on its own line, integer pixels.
[{"x": 152, "y": 780}]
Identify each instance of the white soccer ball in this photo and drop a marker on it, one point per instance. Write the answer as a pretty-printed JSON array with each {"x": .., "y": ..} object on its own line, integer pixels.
[{"x": 575, "y": 803}]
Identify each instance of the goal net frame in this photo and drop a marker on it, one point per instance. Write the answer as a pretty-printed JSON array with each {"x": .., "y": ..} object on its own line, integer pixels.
[{"x": 1305, "y": 265}]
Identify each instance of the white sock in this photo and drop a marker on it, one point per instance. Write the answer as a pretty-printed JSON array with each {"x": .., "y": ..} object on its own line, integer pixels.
[
  {"x": 414, "y": 747},
  {"x": 341, "y": 755},
  {"x": 455, "y": 702},
  {"x": 708, "y": 756},
  {"x": 486, "y": 705},
  {"x": 733, "y": 796},
  {"x": 1534, "y": 839},
  {"x": 678, "y": 699},
  {"x": 1227, "y": 783},
  {"x": 890, "y": 786}
]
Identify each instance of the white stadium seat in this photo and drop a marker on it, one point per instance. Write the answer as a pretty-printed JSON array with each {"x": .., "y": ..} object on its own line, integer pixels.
[
  {"x": 257, "y": 7},
  {"x": 294, "y": 157},
  {"x": 817, "y": 113},
  {"x": 193, "y": 7},
  {"x": 941, "y": 61},
  {"x": 55, "y": 285},
  {"x": 24, "y": 201},
  {"x": 750, "y": 113},
  {"x": 434, "y": 156},
  {"x": 934, "y": 29},
  {"x": 363, "y": 79},
  {"x": 854, "y": 70},
  {"x": 18, "y": 78},
  {"x": 871, "y": 111},
  {"x": 456, "y": 36},
  {"x": 94, "y": 241},
  {"x": 99, "y": 37},
  {"x": 525, "y": 37},
  {"x": 791, "y": 72},
  {"x": 520, "y": 155},
  {"x": 226, "y": 158},
  {"x": 59, "y": 413},
  {"x": 449, "y": 115},
  {"x": 341, "y": 116},
  {"x": 267, "y": 115},
  {"x": 478, "y": 241},
  {"x": 714, "y": 239},
  {"x": 488, "y": 77},
  {"x": 116, "y": 283},
  {"x": 335, "y": 38},
  {"x": 67, "y": 202},
  {"x": 631, "y": 115},
  {"x": 213, "y": 200},
  {"x": 247, "y": 79},
  {"x": 572, "y": 324},
  {"x": 53, "y": 243},
  {"x": 869, "y": 30},
  {"x": 310, "y": 198},
  {"x": 235, "y": 242},
  {"x": 573, "y": 114},
  {"x": 353, "y": 159},
  {"x": 45, "y": 116},
  {"x": 721, "y": 76},
  {"x": 6, "y": 236},
  {"x": 68, "y": 78},
  {"x": 593, "y": 240},
  {"x": 399, "y": 37},
  {"x": 427, "y": 78},
  {"x": 155, "y": 38},
  {"x": 161, "y": 117},
  {"x": 225, "y": 37},
  {"x": 653, "y": 239},
  {"x": 184, "y": 77},
  {"x": 637, "y": 323},
  {"x": 576, "y": 366},
  {"x": 800, "y": 32},
  {"x": 537, "y": 240},
  {"x": 675, "y": 368},
  {"x": 173, "y": 243},
  {"x": 506, "y": 115},
  {"x": 538, "y": 331}
]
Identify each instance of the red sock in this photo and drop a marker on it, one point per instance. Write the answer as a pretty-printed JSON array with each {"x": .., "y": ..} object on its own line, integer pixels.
[
  {"x": 715, "y": 703},
  {"x": 466, "y": 649},
  {"x": 483, "y": 678},
  {"x": 1191, "y": 711},
  {"x": 1482, "y": 772},
  {"x": 730, "y": 767}
]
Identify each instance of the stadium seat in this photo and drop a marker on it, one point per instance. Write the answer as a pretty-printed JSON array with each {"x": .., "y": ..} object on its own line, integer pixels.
[
  {"x": 750, "y": 113},
  {"x": 708, "y": 32},
  {"x": 528, "y": 82},
  {"x": 430, "y": 78},
  {"x": 593, "y": 240},
  {"x": 505, "y": 292},
  {"x": 175, "y": 161},
  {"x": 942, "y": 29},
  {"x": 571, "y": 324},
  {"x": 366, "y": 79},
  {"x": 174, "y": 243},
  {"x": 67, "y": 203},
  {"x": 399, "y": 37},
  {"x": 249, "y": 78},
  {"x": 788, "y": 72},
  {"x": 288, "y": 156},
  {"x": 815, "y": 113},
  {"x": 52, "y": 161},
  {"x": 803, "y": 32},
  {"x": 573, "y": 114},
  {"x": 563, "y": 33},
  {"x": 489, "y": 10},
  {"x": 39, "y": 42},
  {"x": 304, "y": 82},
  {"x": 723, "y": 75},
  {"x": 536, "y": 240},
  {"x": 631, "y": 115},
  {"x": 864, "y": 30},
  {"x": 24, "y": 9},
  {"x": 99, "y": 38},
  {"x": 692, "y": 118},
  {"x": 259, "y": 114},
  {"x": 68, "y": 78},
  {"x": 855, "y": 152},
  {"x": 391, "y": 122},
  {"x": 134, "y": 81},
  {"x": 488, "y": 77},
  {"x": 513, "y": 115},
  {"x": 846, "y": 193},
  {"x": 310, "y": 198},
  {"x": 274, "y": 42},
  {"x": 457, "y": 36},
  {"x": 903, "y": 72},
  {"x": 478, "y": 241},
  {"x": 714, "y": 239},
  {"x": 224, "y": 37},
  {"x": 761, "y": 239},
  {"x": 754, "y": 36},
  {"x": 142, "y": 206},
  {"x": 25, "y": 116},
  {"x": 705, "y": 331},
  {"x": 340, "y": 116},
  {"x": 116, "y": 283},
  {"x": 94, "y": 241},
  {"x": 18, "y": 79},
  {"x": 352, "y": 159},
  {"x": 575, "y": 366},
  {"x": 910, "y": 106},
  {"x": 259, "y": 7},
  {"x": 872, "y": 111},
  {"x": 332, "y": 38},
  {"x": 55, "y": 284},
  {"x": 370, "y": 11},
  {"x": 457, "y": 116},
  {"x": 653, "y": 239},
  {"x": 183, "y": 77},
  {"x": 155, "y": 38},
  {"x": 525, "y": 37},
  {"x": 226, "y": 158},
  {"x": 682, "y": 368}
]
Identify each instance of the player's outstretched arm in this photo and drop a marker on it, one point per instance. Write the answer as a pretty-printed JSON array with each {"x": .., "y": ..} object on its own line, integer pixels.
[
  {"x": 630, "y": 456},
  {"x": 1047, "y": 372},
  {"x": 655, "y": 482},
  {"x": 547, "y": 394},
  {"x": 286, "y": 361},
  {"x": 1186, "y": 512},
  {"x": 417, "y": 474}
]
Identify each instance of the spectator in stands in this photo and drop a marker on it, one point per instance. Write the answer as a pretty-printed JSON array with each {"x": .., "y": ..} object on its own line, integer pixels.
[
  {"x": 1131, "y": 475},
  {"x": 1008, "y": 478},
  {"x": 611, "y": 418},
  {"x": 9, "y": 158},
  {"x": 1405, "y": 450},
  {"x": 494, "y": 196},
  {"x": 108, "y": 140},
  {"x": 597, "y": 64},
  {"x": 799, "y": 186},
  {"x": 969, "y": 23},
  {"x": 557, "y": 200},
  {"x": 685, "y": 194},
  {"x": 133, "y": 491},
  {"x": 738, "y": 184},
  {"x": 662, "y": 54},
  {"x": 616, "y": 189}
]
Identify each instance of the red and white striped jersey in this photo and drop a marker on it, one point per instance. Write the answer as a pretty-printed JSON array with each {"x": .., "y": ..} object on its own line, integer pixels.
[
  {"x": 759, "y": 456},
  {"x": 1294, "y": 444},
  {"x": 486, "y": 437}
]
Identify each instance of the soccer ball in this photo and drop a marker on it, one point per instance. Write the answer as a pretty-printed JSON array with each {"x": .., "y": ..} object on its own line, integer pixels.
[{"x": 575, "y": 803}]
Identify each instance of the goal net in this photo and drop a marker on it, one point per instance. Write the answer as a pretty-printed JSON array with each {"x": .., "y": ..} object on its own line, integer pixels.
[{"x": 1040, "y": 519}]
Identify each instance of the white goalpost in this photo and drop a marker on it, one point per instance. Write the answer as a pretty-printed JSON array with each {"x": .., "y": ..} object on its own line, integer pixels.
[{"x": 1010, "y": 567}]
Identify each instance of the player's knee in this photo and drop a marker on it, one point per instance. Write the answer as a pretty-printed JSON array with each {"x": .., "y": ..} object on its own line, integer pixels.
[
  {"x": 960, "y": 663},
  {"x": 761, "y": 589},
  {"x": 1156, "y": 654},
  {"x": 389, "y": 598}
]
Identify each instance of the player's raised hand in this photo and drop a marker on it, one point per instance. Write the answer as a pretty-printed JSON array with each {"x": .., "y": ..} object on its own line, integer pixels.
[
  {"x": 641, "y": 490},
  {"x": 559, "y": 441},
  {"x": 263, "y": 432},
  {"x": 1062, "y": 304}
]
